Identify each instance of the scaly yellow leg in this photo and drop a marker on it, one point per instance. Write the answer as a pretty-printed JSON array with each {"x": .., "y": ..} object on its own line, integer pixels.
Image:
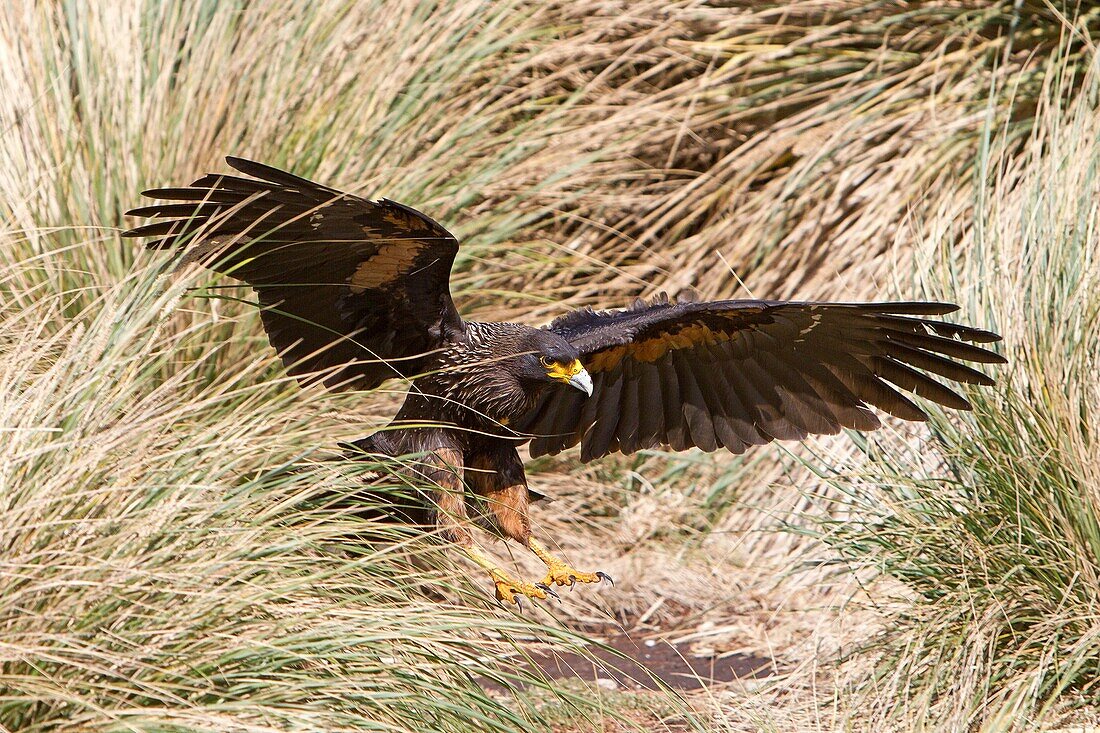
[
  {"x": 508, "y": 589},
  {"x": 560, "y": 572}
]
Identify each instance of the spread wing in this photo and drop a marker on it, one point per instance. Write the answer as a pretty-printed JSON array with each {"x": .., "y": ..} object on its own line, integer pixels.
[
  {"x": 738, "y": 373},
  {"x": 352, "y": 291}
]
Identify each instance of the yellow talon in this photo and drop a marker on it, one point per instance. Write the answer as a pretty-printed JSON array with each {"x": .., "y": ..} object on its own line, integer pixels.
[
  {"x": 562, "y": 574},
  {"x": 508, "y": 589},
  {"x": 559, "y": 572}
]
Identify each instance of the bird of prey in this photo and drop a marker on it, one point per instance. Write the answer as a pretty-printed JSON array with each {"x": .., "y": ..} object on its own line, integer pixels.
[{"x": 354, "y": 292}]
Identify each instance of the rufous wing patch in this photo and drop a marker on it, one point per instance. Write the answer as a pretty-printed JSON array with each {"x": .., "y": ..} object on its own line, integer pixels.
[
  {"x": 392, "y": 260},
  {"x": 653, "y": 349},
  {"x": 397, "y": 218}
]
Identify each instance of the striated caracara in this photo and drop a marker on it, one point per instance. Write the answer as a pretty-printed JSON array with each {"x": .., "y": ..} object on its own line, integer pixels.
[{"x": 354, "y": 292}]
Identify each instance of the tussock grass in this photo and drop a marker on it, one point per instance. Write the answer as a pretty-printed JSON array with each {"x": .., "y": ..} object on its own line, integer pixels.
[
  {"x": 173, "y": 559},
  {"x": 165, "y": 567},
  {"x": 998, "y": 547},
  {"x": 616, "y": 148}
]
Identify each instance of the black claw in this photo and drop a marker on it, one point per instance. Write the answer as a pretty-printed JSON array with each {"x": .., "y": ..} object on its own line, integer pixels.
[
  {"x": 572, "y": 580},
  {"x": 549, "y": 591},
  {"x": 604, "y": 576}
]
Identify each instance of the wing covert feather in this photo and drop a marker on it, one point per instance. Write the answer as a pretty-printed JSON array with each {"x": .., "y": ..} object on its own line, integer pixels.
[
  {"x": 737, "y": 373},
  {"x": 352, "y": 291}
]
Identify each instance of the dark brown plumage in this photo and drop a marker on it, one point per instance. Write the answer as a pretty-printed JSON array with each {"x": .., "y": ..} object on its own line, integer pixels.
[
  {"x": 354, "y": 292},
  {"x": 756, "y": 370}
]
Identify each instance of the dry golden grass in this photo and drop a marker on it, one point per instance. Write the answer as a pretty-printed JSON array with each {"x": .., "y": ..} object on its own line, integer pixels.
[{"x": 599, "y": 150}]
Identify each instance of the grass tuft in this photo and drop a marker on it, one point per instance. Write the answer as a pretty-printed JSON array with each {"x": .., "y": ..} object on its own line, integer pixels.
[
  {"x": 997, "y": 546},
  {"x": 174, "y": 559},
  {"x": 170, "y": 554}
]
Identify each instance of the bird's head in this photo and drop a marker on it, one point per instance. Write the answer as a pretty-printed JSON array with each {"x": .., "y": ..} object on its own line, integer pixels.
[{"x": 548, "y": 358}]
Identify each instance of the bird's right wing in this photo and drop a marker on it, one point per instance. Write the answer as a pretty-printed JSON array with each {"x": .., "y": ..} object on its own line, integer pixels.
[
  {"x": 352, "y": 291},
  {"x": 737, "y": 373}
]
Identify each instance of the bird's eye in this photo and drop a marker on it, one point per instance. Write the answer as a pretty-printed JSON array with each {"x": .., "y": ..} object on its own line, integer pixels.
[{"x": 546, "y": 361}]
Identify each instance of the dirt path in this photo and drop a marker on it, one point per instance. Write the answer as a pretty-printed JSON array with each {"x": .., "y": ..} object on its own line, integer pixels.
[{"x": 634, "y": 663}]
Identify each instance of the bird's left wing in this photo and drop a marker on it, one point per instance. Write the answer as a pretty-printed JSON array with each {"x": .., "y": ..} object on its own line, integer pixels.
[
  {"x": 352, "y": 291},
  {"x": 737, "y": 373}
]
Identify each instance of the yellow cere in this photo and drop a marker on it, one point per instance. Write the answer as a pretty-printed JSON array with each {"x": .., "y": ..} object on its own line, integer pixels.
[{"x": 565, "y": 372}]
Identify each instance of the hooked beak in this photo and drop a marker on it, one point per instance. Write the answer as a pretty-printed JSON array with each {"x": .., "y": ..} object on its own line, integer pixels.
[
  {"x": 582, "y": 381},
  {"x": 573, "y": 374}
]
